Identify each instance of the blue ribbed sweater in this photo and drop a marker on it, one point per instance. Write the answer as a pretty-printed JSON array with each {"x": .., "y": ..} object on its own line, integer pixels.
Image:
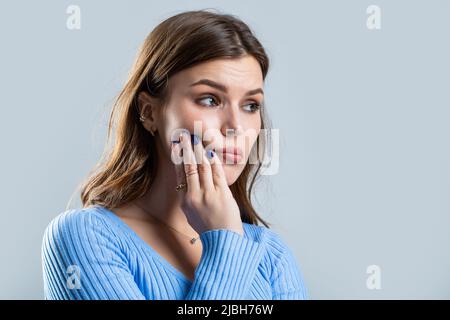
[{"x": 91, "y": 253}]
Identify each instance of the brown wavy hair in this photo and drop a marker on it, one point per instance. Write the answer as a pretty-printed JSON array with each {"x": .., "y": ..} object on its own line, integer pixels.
[{"x": 128, "y": 164}]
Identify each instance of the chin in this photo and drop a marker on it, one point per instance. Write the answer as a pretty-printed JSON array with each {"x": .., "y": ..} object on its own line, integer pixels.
[{"x": 232, "y": 172}]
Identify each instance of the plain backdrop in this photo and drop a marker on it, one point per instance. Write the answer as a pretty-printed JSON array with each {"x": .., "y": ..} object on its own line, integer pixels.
[{"x": 363, "y": 118}]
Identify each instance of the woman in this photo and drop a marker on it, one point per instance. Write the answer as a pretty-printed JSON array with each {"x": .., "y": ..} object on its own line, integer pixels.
[{"x": 186, "y": 122}]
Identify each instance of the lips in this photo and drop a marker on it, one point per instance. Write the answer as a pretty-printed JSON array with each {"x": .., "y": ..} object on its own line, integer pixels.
[
  {"x": 229, "y": 155},
  {"x": 231, "y": 150}
]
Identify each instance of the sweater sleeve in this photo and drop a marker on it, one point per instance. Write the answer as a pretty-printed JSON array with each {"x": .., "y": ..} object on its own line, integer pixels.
[
  {"x": 82, "y": 260},
  {"x": 286, "y": 279},
  {"x": 227, "y": 267}
]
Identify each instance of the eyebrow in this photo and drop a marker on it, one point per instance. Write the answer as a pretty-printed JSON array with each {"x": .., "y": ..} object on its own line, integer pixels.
[{"x": 223, "y": 88}]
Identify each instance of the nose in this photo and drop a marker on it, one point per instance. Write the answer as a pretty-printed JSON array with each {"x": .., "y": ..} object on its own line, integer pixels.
[{"x": 232, "y": 125}]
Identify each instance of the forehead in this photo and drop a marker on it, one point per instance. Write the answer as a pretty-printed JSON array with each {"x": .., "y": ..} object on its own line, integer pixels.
[{"x": 237, "y": 74}]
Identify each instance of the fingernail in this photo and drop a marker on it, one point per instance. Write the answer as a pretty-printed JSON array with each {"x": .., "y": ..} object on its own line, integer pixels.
[
  {"x": 195, "y": 139},
  {"x": 210, "y": 154}
]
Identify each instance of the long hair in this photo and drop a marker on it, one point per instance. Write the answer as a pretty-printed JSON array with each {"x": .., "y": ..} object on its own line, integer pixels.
[{"x": 128, "y": 165}]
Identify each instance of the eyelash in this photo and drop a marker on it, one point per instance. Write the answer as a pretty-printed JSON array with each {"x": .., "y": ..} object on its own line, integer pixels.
[{"x": 256, "y": 108}]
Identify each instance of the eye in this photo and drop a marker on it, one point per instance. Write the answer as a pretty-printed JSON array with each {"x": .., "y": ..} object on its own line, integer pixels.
[
  {"x": 207, "y": 98},
  {"x": 254, "y": 107}
]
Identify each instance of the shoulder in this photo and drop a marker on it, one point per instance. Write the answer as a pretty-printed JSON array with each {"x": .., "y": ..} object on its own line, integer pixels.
[
  {"x": 75, "y": 227},
  {"x": 76, "y": 219},
  {"x": 278, "y": 252},
  {"x": 84, "y": 243},
  {"x": 280, "y": 265},
  {"x": 275, "y": 243}
]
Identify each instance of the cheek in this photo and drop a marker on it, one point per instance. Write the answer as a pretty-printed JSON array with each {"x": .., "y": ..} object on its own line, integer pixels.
[
  {"x": 186, "y": 115},
  {"x": 250, "y": 142},
  {"x": 177, "y": 116},
  {"x": 253, "y": 129}
]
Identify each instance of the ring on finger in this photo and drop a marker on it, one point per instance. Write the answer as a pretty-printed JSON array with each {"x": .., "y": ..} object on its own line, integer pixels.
[{"x": 191, "y": 172}]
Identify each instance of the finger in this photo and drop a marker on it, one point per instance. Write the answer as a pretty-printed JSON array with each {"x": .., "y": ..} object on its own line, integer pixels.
[
  {"x": 203, "y": 165},
  {"x": 190, "y": 165},
  {"x": 177, "y": 160},
  {"x": 218, "y": 174}
]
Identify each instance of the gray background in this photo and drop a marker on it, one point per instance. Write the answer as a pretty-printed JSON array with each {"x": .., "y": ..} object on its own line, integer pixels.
[{"x": 363, "y": 117}]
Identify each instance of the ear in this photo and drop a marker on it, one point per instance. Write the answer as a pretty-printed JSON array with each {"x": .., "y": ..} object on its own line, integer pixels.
[{"x": 148, "y": 109}]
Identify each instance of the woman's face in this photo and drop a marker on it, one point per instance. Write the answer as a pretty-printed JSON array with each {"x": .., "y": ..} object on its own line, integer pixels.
[{"x": 211, "y": 97}]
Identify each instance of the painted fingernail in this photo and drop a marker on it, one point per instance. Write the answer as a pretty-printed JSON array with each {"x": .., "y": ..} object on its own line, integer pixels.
[
  {"x": 210, "y": 154},
  {"x": 195, "y": 139}
]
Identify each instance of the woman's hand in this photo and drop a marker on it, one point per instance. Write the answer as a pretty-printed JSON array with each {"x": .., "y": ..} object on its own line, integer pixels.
[{"x": 207, "y": 200}]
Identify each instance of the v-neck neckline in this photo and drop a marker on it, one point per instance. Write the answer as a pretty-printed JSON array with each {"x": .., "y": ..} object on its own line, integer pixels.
[{"x": 143, "y": 243}]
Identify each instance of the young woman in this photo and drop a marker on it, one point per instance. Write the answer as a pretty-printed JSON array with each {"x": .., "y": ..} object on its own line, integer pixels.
[{"x": 167, "y": 213}]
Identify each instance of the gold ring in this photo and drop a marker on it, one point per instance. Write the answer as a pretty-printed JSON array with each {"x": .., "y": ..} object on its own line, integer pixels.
[{"x": 181, "y": 186}]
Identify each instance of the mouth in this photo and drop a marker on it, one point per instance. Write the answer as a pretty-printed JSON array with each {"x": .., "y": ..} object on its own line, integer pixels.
[{"x": 229, "y": 155}]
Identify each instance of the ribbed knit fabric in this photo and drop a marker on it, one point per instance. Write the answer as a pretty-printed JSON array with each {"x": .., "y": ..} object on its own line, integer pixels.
[{"x": 91, "y": 253}]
